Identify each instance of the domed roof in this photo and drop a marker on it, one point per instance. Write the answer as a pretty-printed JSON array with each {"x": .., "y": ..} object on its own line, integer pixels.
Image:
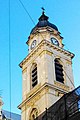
[{"x": 43, "y": 22}]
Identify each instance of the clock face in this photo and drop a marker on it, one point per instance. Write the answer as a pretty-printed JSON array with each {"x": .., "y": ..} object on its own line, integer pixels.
[
  {"x": 33, "y": 44},
  {"x": 54, "y": 41}
]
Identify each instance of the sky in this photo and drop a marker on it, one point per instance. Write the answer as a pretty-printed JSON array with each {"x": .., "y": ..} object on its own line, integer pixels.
[{"x": 65, "y": 14}]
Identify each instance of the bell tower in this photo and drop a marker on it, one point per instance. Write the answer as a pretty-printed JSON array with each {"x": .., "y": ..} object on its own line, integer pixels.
[{"x": 46, "y": 70}]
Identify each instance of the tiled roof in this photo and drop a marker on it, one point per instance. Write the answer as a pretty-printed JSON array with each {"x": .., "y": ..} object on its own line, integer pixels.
[{"x": 14, "y": 116}]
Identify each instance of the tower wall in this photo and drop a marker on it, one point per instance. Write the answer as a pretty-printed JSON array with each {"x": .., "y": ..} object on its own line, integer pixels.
[{"x": 42, "y": 91}]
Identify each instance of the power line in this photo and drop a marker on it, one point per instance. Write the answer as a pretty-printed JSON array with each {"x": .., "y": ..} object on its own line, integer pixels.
[
  {"x": 27, "y": 11},
  {"x": 69, "y": 78},
  {"x": 10, "y": 58},
  {"x": 29, "y": 14}
]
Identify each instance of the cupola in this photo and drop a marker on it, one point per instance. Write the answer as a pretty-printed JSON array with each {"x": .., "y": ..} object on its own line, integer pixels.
[{"x": 43, "y": 22}]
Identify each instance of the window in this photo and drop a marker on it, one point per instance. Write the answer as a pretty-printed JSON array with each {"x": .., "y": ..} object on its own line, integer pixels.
[
  {"x": 59, "y": 71},
  {"x": 34, "y": 114},
  {"x": 34, "y": 75}
]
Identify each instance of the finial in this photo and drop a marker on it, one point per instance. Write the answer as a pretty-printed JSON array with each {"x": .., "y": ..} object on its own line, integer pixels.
[
  {"x": 42, "y": 10},
  {"x": 43, "y": 16}
]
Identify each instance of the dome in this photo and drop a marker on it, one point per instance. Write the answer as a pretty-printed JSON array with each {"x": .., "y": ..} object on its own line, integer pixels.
[{"x": 43, "y": 22}]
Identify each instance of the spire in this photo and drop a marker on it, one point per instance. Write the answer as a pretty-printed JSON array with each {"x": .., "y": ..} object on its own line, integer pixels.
[{"x": 43, "y": 16}]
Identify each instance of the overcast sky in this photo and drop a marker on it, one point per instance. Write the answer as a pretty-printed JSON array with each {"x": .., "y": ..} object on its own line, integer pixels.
[{"x": 65, "y": 14}]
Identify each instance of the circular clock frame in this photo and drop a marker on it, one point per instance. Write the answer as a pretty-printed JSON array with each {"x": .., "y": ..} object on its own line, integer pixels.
[
  {"x": 54, "y": 41},
  {"x": 33, "y": 44}
]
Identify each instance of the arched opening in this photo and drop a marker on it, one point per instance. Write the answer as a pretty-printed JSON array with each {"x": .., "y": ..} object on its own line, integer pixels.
[
  {"x": 59, "y": 71},
  {"x": 34, "y": 76},
  {"x": 33, "y": 114}
]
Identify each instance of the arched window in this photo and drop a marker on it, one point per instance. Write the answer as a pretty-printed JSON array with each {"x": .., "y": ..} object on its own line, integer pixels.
[
  {"x": 34, "y": 114},
  {"x": 59, "y": 71},
  {"x": 34, "y": 80}
]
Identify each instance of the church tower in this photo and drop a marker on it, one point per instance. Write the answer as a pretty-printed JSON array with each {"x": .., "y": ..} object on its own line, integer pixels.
[{"x": 46, "y": 71}]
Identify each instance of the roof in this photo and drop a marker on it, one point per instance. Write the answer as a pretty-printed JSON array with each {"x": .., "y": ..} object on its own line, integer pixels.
[
  {"x": 66, "y": 108},
  {"x": 43, "y": 22},
  {"x": 14, "y": 116}
]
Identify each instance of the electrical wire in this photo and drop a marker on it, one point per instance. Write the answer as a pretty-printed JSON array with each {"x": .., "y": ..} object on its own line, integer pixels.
[
  {"x": 67, "y": 76},
  {"x": 40, "y": 33},
  {"x": 10, "y": 48},
  {"x": 10, "y": 59},
  {"x": 27, "y": 12},
  {"x": 29, "y": 15},
  {"x": 69, "y": 79}
]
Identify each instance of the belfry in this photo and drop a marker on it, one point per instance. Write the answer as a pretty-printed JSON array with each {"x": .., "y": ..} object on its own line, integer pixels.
[{"x": 46, "y": 70}]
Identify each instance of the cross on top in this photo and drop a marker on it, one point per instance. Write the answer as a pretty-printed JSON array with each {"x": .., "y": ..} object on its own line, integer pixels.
[{"x": 43, "y": 9}]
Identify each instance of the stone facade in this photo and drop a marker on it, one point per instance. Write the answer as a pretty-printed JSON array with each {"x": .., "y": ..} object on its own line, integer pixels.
[{"x": 48, "y": 90}]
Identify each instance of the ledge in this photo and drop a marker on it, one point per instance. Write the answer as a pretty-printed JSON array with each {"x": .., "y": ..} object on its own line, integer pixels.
[
  {"x": 39, "y": 90},
  {"x": 38, "y": 49},
  {"x": 61, "y": 86}
]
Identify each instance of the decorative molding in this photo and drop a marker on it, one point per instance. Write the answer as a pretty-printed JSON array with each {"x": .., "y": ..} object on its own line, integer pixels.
[
  {"x": 46, "y": 52},
  {"x": 37, "y": 92},
  {"x": 58, "y": 93},
  {"x": 34, "y": 95},
  {"x": 61, "y": 86},
  {"x": 69, "y": 62},
  {"x": 24, "y": 70},
  {"x": 43, "y": 46},
  {"x": 32, "y": 91}
]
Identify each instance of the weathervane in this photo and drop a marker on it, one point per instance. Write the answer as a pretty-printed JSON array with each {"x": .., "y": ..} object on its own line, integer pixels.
[{"x": 43, "y": 9}]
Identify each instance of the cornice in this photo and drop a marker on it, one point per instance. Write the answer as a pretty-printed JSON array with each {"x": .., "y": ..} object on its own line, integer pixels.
[
  {"x": 39, "y": 90},
  {"x": 61, "y": 86},
  {"x": 41, "y": 30},
  {"x": 45, "y": 43}
]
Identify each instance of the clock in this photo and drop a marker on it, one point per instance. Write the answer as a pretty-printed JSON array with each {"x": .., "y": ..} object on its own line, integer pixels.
[
  {"x": 54, "y": 41},
  {"x": 33, "y": 44}
]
